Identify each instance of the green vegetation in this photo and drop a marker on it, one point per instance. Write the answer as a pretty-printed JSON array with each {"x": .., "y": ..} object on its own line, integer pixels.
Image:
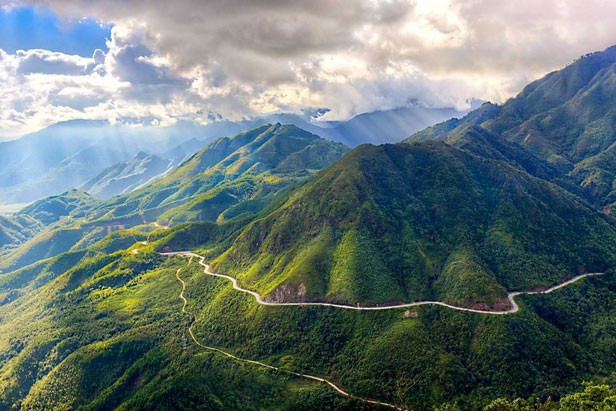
[
  {"x": 231, "y": 180},
  {"x": 566, "y": 119},
  {"x": 90, "y": 317},
  {"x": 15, "y": 230},
  {"x": 231, "y": 177},
  {"x": 46, "y": 245},
  {"x": 594, "y": 397},
  {"x": 424, "y": 221},
  {"x": 104, "y": 330},
  {"x": 73, "y": 203},
  {"x": 51, "y": 243},
  {"x": 44, "y": 229}
]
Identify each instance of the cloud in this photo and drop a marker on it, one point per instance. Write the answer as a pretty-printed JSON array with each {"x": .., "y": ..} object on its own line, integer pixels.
[
  {"x": 128, "y": 83},
  {"x": 47, "y": 62},
  {"x": 151, "y": 77},
  {"x": 238, "y": 58}
]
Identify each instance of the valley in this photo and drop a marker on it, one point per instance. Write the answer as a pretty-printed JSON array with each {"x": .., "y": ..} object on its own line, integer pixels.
[{"x": 467, "y": 266}]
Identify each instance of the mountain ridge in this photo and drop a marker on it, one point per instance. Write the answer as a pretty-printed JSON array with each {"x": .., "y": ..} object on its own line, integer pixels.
[
  {"x": 360, "y": 206},
  {"x": 75, "y": 151},
  {"x": 565, "y": 118},
  {"x": 226, "y": 172}
]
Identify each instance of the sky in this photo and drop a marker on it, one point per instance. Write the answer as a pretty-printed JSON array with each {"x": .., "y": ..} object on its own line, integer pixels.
[{"x": 159, "y": 61}]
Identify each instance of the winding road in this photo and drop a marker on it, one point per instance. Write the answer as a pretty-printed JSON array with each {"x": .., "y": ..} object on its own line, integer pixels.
[
  {"x": 258, "y": 363},
  {"x": 510, "y": 296}
]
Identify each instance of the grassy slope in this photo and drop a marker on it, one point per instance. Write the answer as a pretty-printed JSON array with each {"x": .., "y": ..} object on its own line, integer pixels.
[
  {"x": 427, "y": 221},
  {"x": 48, "y": 244},
  {"x": 46, "y": 228},
  {"x": 107, "y": 332},
  {"x": 566, "y": 118},
  {"x": 51, "y": 209},
  {"x": 15, "y": 230}
]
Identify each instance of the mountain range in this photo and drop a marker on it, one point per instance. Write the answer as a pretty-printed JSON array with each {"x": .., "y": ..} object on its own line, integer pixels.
[
  {"x": 66, "y": 155},
  {"x": 400, "y": 223},
  {"x": 231, "y": 178},
  {"x": 127, "y": 176},
  {"x": 566, "y": 119},
  {"x": 95, "y": 313},
  {"x": 108, "y": 160}
]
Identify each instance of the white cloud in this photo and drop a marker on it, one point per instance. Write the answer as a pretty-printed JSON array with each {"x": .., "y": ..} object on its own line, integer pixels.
[
  {"x": 129, "y": 83},
  {"x": 47, "y": 62},
  {"x": 236, "y": 58}
]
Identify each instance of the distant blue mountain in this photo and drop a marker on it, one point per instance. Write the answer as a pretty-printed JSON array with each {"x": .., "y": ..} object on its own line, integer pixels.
[{"x": 80, "y": 153}]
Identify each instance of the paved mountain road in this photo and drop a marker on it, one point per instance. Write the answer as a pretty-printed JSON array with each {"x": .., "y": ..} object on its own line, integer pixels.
[
  {"x": 261, "y": 364},
  {"x": 511, "y": 296}
]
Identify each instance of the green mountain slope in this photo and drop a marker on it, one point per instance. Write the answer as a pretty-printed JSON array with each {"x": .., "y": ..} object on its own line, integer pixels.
[
  {"x": 46, "y": 228},
  {"x": 479, "y": 141},
  {"x": 566, "y": 118},
  {"x": 232, "y": 178},
  {"x": 414, "y": 222},
  {"x": 49, "y": 210},
  {"x": 15, "y": 230},
  {"x": 48, "y": 244},
  {"x": 236, "y": 175},
  {"x": 105, "y": 330}
]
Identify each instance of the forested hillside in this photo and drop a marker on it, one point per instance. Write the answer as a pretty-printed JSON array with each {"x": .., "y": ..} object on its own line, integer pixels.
[
  {"x": 313, "y": 248},
  {"x": 566, "y": 118}
]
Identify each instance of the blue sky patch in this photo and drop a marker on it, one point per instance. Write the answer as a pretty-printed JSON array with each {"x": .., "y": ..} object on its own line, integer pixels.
[{"x": 25, "y": 28}]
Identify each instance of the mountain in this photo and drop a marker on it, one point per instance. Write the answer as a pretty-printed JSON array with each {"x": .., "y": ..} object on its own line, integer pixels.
[
  {"x": 141, "y": 170},
  {"x": 66, "y": 155},
  {"x": 49, "y": 243},
  {"x": 105, "y": 329},
  {"x": 15, "y": 230},
  {"x": 52, "y": 209},
  {"x": 45, "y": 229},
  {"x": 230, "y": 177},
  {"x": 566, "y": 118},
  {"x": 102, "y": 326},
  {"x": 182, "y": 152},
  {"x": 78, "y": 153},
  {"x": 405, "y": 222},
  {"x": 479, "y": 141},
  {"x": 389, "y": 126},
  {"x": 378, "y": 127},
  {"x": 124, "y": 177},
  {"x": 93, "y": 317}
]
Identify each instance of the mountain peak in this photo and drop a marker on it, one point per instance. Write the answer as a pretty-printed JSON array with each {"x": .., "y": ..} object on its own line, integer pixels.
[
  {"x": 141, "y": 155},
  {"x": 52, "y": 209},
  {"x": 565, "y": 120},
  {"x": 255, "y": 165},
  {"x": 403, "y": 222}
]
